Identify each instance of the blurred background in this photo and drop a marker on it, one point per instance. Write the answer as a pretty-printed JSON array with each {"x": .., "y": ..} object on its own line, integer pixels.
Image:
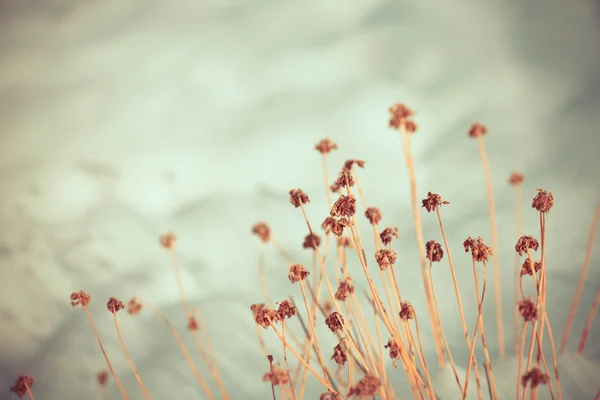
[{"x": 122, "y": 120}]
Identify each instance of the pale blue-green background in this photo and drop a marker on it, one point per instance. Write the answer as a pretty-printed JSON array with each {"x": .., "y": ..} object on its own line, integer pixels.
[{"x": 120, "y": 120}]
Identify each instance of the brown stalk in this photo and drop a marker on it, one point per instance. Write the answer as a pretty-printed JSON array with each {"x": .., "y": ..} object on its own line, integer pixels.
[
  {"x": 589, "y": 321},
  {"x": 520, "y": 359},
  {"x": 517, "y": 269},
  {"x": 581, "y": 283},
  {"x": 287, "y": 367},
  {"x": 494, "y": 233}
]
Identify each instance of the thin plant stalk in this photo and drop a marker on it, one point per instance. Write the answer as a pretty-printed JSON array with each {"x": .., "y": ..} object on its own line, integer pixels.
[
  {"x": 516, "y": 320},
  {"x": 581, "y": 283},
  {"x": 589, "y": 321},
  {"x": 285, "y": 360}
]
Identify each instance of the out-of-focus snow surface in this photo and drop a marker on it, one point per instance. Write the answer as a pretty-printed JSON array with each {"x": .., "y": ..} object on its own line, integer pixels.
[{"x": 120, "y": 120}]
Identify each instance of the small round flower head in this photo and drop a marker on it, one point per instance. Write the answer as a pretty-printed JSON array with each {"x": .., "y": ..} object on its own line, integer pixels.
[
  {"x": 330, "y": 396},
  {"x": 524, "y": 243},
  {"x": 344, "y": 206},
  {"x": 114, "y": 305},
  {"x": 102, "y": 377},
  {"x": 388, "y": 234},
  {"x": 21, "y": 385},
  {"x": 477, "y": 130},
  {"x": 339, "y": 354},
  {"x": 277, "y": 376},
  {"x": 434, "y": 251},
  {"x": 286, "y": 310},
  {"x": 385, "y": 258},
  {"x": 311, "y": 241},
  {"x": 543, "y": 201},
  {"x": 335, "y": 188},
  {"x": 325, "y": 146},
  {"x": 515, "y": 179},
  {"x": 526, "y": 267},
  {"x": 394, "y": 349},
  {"x": 344, "y": 242},
  {"x": 192, "y": 324},
  {"x": 366, "y": 387},
  {"x": 410, "y": 126},
  {"x": 263, "y": 231},
  {"x": 298, "y": 197},
  {"x": 407, "y": 311},
  {"x": 373, "y": 214},
  {"x": 527, "y": 310},
  {"x": 327, "y": 307},
  {"x": 350, "y": 163},
  {"x": 167, "y": 240},
  {"x": 479, "y": 250},
  {"x": 399, "y": 115},
  {"x": 432, "y": 202},
  {"x": 335, "y": 322},
  {"x": 345, "y": 289},
  {"x": 134, "y": 307},
  {"x": 345, "y": 179},
  {"x": 335, "y": 225},
  {"x": 534, "y": 377},
  {"x": 297, "y": 273},
  {"x": 80, "y": 298},
  {"x": 263, "y": 314}
]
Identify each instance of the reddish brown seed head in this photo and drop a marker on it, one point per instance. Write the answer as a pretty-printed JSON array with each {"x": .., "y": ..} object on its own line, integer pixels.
[
  {"x": 325, "y": 146},
  {"x": 432, "y": 202},
  {"x": 192, "y": 324},
  {"x": 373, "y": 214},
  {"x": 407, "y": 311},
  {"x": 298, "y": 197},
  {"x": 21, "y": 385},
  {"x": 330, "y": 396},
  {"x": 344, "y": 206},
  {"x": 526, "y": 267},
  {"x": 114, "y": 305},
  {"x": 335, "y": 225},
  {"x": 167, "y": 240},
  {"x": 286, "y": 309},
  {"x": 534, "y": 377},
  {"x": 134, "y": 307},
  {"x": 433, "y": 251},
  {"x": 277, "y": 376},
  {"x": 515, "y": 179},
  {"x": 297, "y": 273},
  {"x": 400, "y": 115},
  {"x": 335, "y": 322},
  {"x": 385, "y": 258},
  {"x": 366, "y": 387},
  {"x": 344, "y": 242},
  {"x": 339, "y": 354},
  {"x": 263, "y": 231},
  {"x": 311, "y": 241},
  {"x": 388, "y": 234},
  {"x": 527, "y": 310},
  {"x": 345, "y": 179},
  {"x": 479, "y": 250},
  {"x": 350, "y": 163},
  {"x": 477, "y": 130},
  {"x": 263, "y": 314},
  {"x": 345, "y": 289},
  {"x": 394, "y": 349},
  {"x": 526, "y": 242},
  {"x": 80, "y": 298},
  {"x": 543, "y": 201},
  {"x": 102, "y": 377}
]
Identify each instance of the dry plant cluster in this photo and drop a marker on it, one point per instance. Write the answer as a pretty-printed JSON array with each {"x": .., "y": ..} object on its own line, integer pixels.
[{"x": 355, "y": 366}]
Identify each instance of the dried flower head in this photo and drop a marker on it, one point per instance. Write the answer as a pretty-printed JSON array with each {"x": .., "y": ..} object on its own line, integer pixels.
[
  {"x": 277, "y": 376},
  {"x": 345, "y": 178},
  {"x": 526, "y": 268},
  {"x": 524, "y": 243},
  {"x": 330, "y": 396},
  {"x": 388, "y": 234},
  {"x": 373, "y": 214},
  {"x": 515, "y": 179},
  {"x": 527, "y": 310},
  {"x": 407, "y": 311},
  {"x": 80, "y": 298},
  {"x": 327, "y": 307},
  {"x": 344, "y": 242},
  {"x": 192, "y": 324},
  {"x": 298, "y": 197},
  {"x": 167, "y": 240},
  {"x": 479, "y": 250},
  {"x": 367, "y": 386},
  {"x": 477, "y": 130},
  {"x": 22, "y": 385},
  {"x": 335, "y": 188},
  {"x": 350, "y": 163},
  {"x": 385, "y": 258},
  {"x": 325, "y": 146},
  {"x": 263, "y": 314},
  {"x": 534, "y": 377},
  {"x": 114, "y": 305},
  {"x": 345, "y": 289},
  {"x": 344, "y": 206},
  {"x": 335, "y": 225},
  {"x": 297, "y": 273},
  {"x": 434, "y": 251},
  {"x": 394, "y": 349},
  {"x": 102, "y": 377},
  {"x": 410, "y": 126},
  {"x": 543, "y": 201},
  {"x": 432, "y": 202},
  {"x": 339, "y": 354},
  {"x": 335, "y": 322},
  {"x": 134, "y": 307},
  {"x": 311, "y": 241},
  {"x": 263, "y": 231},
  {"x": 286, "y": 310},
  {"x": 399, "y": 115}
]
